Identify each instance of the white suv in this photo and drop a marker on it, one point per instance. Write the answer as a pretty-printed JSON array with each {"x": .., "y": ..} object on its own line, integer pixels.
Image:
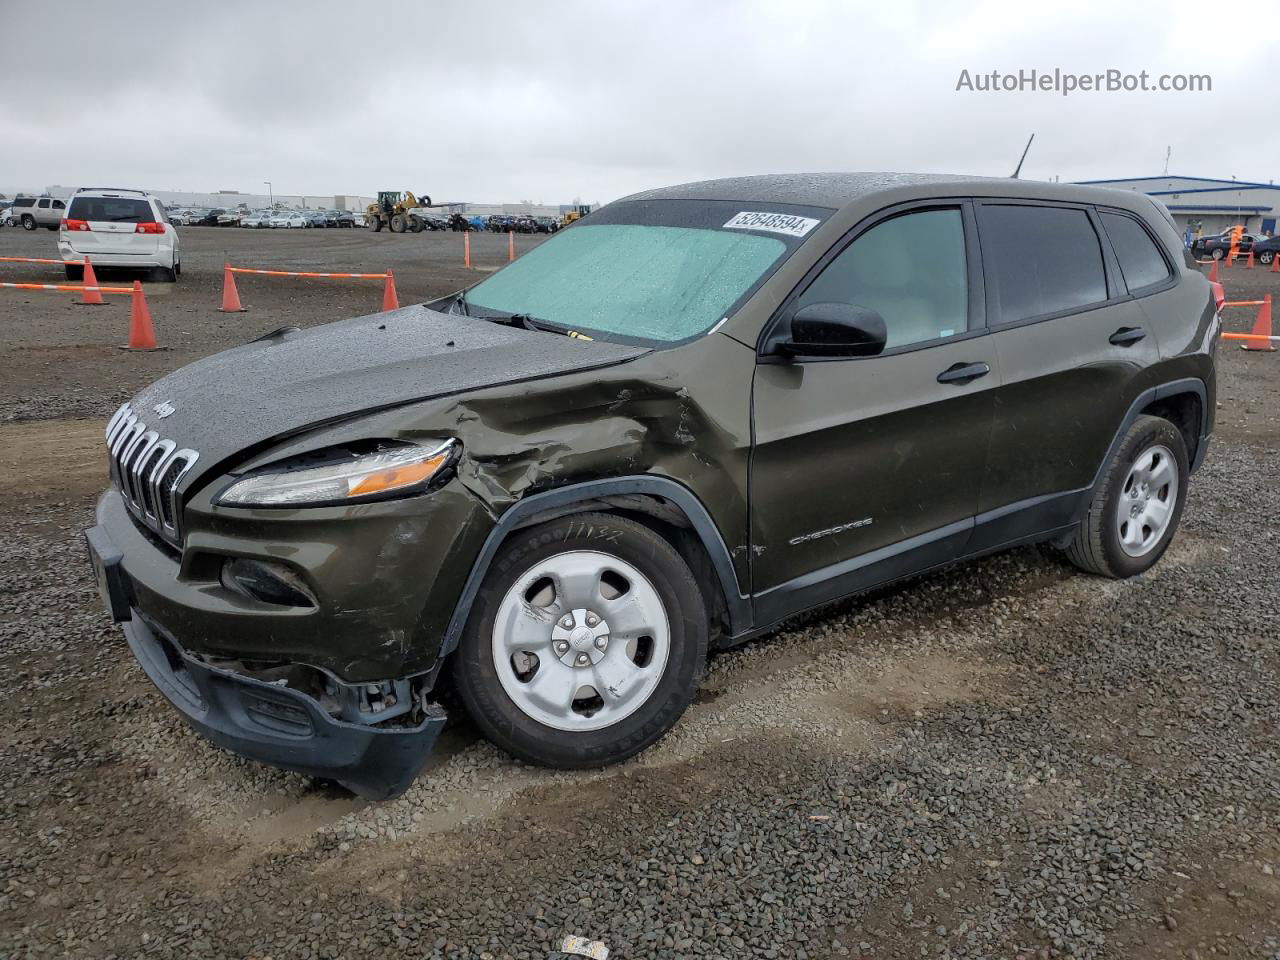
[{"x": 119, "y": 228}]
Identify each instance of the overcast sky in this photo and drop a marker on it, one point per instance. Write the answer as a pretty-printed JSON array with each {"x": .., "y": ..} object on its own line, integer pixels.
[{"x": 542, "y": 101}]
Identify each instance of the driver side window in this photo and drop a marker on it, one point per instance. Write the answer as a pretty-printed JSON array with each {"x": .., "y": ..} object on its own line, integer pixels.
[{"x": 910, "y": 269}]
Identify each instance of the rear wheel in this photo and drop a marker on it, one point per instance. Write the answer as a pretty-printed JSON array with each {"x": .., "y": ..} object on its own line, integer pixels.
[
  {"x": 585, "y": 643},
  {"x": 415, "y": 224},
  {"x": 1266, "y": 256},
  {"x": 1137, "y": 505},
  {"x": 376, "y": 223}
]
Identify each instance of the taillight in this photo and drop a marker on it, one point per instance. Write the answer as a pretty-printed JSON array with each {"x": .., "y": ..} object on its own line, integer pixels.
[
  {"x": 150, "y": 228},
  {"x": 68, "y": 224}
]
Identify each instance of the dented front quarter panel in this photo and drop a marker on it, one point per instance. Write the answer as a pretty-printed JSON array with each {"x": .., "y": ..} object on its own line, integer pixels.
[{"x": 395, "y": 570}]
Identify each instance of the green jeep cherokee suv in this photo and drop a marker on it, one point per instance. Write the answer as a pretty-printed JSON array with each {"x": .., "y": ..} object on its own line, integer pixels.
[{"x": 691, "y": 415}]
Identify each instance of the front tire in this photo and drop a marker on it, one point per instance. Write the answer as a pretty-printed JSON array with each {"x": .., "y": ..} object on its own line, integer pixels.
[
  {"x": 1137, "y": 505},
  {"x": 28, "y": 222},
  {"x": 1218, "y": 253},
  {"x": 585, "y": 643}
]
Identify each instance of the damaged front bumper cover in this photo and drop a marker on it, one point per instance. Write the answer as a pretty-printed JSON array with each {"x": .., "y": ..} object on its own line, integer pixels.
[{"x": 282, "y": 727}]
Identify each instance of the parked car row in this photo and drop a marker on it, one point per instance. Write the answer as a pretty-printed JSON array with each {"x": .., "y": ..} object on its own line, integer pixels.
[
  {"x": 297, "y": 219},
  {"x": 500, "y": 223},
  {"x": 1219, "y": 245}
]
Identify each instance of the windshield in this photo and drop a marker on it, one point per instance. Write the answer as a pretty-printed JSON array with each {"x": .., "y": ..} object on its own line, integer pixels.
[{"x": 650, "y": 271}]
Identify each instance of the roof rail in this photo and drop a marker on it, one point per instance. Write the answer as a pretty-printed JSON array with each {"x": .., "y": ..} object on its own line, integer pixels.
[{"x": 117, "y": 189}]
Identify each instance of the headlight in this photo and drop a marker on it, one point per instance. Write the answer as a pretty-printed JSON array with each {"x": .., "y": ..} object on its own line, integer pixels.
[{"x": 347, "y": 477}]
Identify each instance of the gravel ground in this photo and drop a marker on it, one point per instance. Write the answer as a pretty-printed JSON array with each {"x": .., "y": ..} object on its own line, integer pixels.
[{"x": 1007, "y": 759}]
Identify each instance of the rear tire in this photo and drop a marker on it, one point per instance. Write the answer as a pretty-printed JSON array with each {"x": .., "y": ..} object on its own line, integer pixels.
[
  {"x": 639, "y": 629},
  {"x": 1265, "y": 257},
  {"x": 1136, "y": 505},
  {"x": 376, "y": 224},
  {"x": 415, "y": 224}
]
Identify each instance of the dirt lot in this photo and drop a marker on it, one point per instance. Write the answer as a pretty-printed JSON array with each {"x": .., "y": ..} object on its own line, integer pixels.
[{"x": 1008, "y": 759}]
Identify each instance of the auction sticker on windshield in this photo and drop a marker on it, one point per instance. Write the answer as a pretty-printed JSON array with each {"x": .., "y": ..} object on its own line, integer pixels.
[{"x": 772, "y": 222}]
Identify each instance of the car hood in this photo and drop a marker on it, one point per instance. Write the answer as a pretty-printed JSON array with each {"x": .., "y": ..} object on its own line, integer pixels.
[{"x": 276, "y": 386}]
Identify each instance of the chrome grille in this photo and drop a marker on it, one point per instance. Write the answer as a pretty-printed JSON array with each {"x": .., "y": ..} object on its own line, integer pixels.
[{"x": 147, "y": 468}]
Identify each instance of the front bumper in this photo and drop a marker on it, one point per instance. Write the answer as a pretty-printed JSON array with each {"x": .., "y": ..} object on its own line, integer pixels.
[{"x": 284, "y": 728}]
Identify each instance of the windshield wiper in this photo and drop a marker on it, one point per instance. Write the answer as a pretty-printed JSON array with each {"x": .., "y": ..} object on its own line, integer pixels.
[
  {"x": 530, "y": 322},
  {"x": 460, "y": 300}
]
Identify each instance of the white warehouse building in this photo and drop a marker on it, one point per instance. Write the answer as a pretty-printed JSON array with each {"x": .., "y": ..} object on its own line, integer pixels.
[{"x": 1207, "y": 206}]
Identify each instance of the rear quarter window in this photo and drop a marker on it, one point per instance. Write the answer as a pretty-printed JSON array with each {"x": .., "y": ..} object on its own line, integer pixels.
[
  {"x": 111, "y": 210},
  {"x": 1140, "y": 261},
  {"x": 1045, "y": 260}
]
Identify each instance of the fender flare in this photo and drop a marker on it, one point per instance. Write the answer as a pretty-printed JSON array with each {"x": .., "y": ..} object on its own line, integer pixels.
[
  {"x": 737, "y": 604},
  {"x": 1171, "y": 389}
]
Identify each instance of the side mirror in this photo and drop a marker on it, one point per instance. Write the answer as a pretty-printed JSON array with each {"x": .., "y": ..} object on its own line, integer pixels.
[{"x": 835, "y": 330}]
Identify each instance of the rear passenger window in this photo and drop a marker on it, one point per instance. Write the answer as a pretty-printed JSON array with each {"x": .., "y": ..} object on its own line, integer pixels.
[
  {"x": 1140, "y": 261},
  {"x": 1045, "y": 260},
  {"x": 910, "y": 270}
]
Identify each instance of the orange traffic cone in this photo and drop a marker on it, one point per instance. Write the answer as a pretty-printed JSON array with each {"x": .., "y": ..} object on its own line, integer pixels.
[
  {"x": 1261, "y": 328},
  {"x": 1249, "y": 264},
  {"x": 92, "y": 296},
  {"x": 511, "y": 245},
  {"x": 389, "y": 299},
  {"x": 141, "y": 336},
  {"x": 230, "y": 295},
  {"x": 466, "y": 249},
  {"x": 1275, "y": 263},
  {"x": 1213, "y": 272}
]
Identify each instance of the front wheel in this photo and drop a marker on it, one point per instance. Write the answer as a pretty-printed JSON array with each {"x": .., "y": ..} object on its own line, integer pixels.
[
  {"x": 1137, "y": 504},
  {"x": 1218, "y": 253},
  {"x": 585, "y": 644},
  {"x": 28, "y": 222}
]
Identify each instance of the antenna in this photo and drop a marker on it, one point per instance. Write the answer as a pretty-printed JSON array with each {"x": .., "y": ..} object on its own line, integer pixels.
[
  {"x": 1018, "y": 170},
  {"x": 1168, "y": 152}
]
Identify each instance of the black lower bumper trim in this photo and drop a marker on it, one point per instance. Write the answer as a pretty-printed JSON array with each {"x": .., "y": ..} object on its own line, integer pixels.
[{"x": 280, "y": 726}]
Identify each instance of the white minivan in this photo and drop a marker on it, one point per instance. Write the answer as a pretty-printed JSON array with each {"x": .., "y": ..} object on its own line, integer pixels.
[{"x": 118, "y": 228}]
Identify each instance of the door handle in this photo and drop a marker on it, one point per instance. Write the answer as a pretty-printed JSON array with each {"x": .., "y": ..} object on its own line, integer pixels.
[
  {"x": 1127, "y": 336},
  {"x": 962, "y": 373}
]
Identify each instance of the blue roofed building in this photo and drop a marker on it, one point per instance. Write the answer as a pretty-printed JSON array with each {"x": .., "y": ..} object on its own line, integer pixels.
[{"x": 1205, "y": 205}]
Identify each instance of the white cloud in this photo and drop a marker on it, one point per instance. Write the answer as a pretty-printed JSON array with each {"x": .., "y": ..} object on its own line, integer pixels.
[{"x": 548, "y": 101}]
